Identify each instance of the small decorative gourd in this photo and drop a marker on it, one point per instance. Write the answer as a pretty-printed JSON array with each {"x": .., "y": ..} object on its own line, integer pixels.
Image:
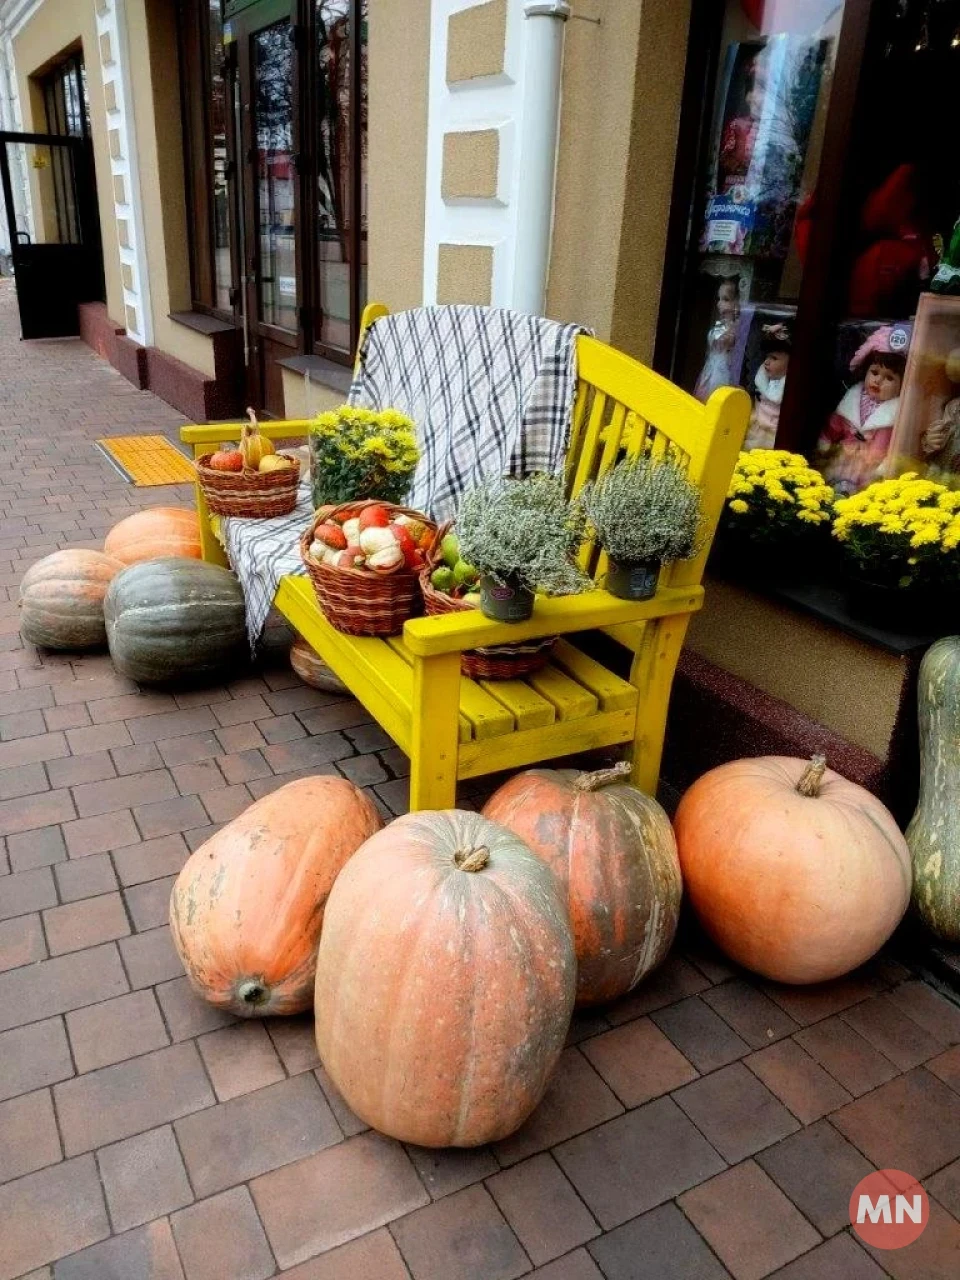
[{"x": 934, "y": 831}]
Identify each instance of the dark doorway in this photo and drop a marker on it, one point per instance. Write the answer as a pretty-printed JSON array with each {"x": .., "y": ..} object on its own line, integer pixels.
[{"x": 54, "y": 231}]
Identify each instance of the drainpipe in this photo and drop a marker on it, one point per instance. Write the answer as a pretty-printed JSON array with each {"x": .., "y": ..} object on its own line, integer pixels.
[{"x": 537, "y": 150}]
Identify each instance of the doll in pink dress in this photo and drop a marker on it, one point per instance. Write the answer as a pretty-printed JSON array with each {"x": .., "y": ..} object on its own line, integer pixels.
[
  {"x": 769, "y": 383},
  {"x": 852, "y": 449}
]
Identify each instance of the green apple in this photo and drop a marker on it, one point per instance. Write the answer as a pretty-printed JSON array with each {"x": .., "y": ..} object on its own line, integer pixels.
[
  {"x": 464, "y": 574},
  {"x": 472, "y": 598},
  {"x": 442, "y": 578},
  {"x": 450, "y": 549}
]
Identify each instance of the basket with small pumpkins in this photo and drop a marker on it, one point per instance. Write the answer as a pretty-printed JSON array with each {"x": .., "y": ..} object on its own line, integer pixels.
[
  {"x": 364, "y": 559},
  {"x": 251, "y": 480}
]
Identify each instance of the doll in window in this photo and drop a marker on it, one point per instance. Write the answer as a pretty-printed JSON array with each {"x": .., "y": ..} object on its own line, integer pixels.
[
  {"x": 769, "y": 383},
  {"x": 852, "y": 449},
  {"x": 940, "y": 441},
  {"x": 717, "y": 370},
  {"x": 739, "y": 138}
]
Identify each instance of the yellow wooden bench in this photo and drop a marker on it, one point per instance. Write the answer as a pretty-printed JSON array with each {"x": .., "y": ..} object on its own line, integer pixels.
[{"x": 454, "y": 728}]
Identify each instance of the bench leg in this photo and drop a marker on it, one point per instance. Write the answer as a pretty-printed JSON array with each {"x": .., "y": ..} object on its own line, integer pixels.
[
  {"x": 435, "y": 732},
  {"x": 213, "y": 553},
  {"x": 651, "y": 674}
]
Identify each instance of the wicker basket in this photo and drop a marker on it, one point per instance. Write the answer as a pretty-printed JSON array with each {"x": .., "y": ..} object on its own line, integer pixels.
[
  {"x": 251, "y": 494},
  {"x": 497, "y": 662},
  {"x": 361, "y": 602}
]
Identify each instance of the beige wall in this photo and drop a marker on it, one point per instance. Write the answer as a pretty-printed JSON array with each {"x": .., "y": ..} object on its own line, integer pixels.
[
  {"x": 52, "y": 31},
  {"x": 399, "y": 71},
  {"x": 305, "y": 400}
]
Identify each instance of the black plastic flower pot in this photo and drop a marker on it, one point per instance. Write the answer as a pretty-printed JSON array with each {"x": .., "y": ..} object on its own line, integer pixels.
[
  {"x": 507, "y": 601},
  {"x": 632, "y": 581}
]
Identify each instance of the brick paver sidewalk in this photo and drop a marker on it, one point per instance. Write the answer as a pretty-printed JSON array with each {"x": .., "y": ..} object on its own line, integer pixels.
[{"x": 709, "y": 1126}]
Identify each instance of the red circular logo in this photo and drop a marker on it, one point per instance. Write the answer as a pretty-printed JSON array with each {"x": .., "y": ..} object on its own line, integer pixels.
[{"x": 889, "y": 1209}]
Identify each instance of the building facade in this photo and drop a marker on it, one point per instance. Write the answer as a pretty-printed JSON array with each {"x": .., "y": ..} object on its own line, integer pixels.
[{"x": 694, "y": 180}]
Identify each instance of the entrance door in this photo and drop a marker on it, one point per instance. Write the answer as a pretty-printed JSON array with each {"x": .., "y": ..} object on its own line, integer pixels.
[
  {"x": 48, "y": 193},
  {"x": 265, "y": 35}
]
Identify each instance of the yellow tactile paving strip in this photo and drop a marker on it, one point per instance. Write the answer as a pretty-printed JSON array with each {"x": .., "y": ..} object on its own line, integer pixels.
[{"x": 148, "y": 460}]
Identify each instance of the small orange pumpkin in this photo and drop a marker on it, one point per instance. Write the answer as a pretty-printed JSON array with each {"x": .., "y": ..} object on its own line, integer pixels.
[
  {"x": 445, "y": 980},
  {"x": 153, "y": 533},
  {"x": 61, "y": 599},
  {"x": 612, "y": 848},
  {"x": 795, "y": 872},
  {"x": 247, "y": 908},
  {"x": 312, "y": 669}
]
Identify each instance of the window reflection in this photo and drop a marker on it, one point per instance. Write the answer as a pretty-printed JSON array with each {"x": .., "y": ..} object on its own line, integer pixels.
[{"x": 276, "y": 174}]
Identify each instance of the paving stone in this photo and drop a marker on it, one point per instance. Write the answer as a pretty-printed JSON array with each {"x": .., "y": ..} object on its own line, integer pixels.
[
  {"x": 126, "y": 706},
  {"x": 837, "y": 1259},
  {"x": 100, "y": 834},
  {"x": 736, "y": 1112},
  {"x": 701, "y": 1035},
  {"x": 363, "y": 771},
  {"x": 140, "y": 759},
  {"x": 930, "y": 1010},
  {"x": 882, "y": 1021},
  {"x": 223, "y": 1237},
  {"x": 748, "y": 1221},
  {"x": 945, "y": 1185},
  {"x": 46, "y": 746},
  {"x": 28, "y": 1135},
  {"x": 75, "y": 716},
  {"x": 801, "y": 1084},
  {"x": 814, "y": 1003},
  {"x": 21, "y": 724},
  {"x": 41, "y": 990},
  {"x": 226, "y": 803},
  {"x": 203, "y": 775},
  {"x": 297, "y": 698},
  {"x": 345, "y": 714},
  {"x": 26, "y": 699},
  {"x": 50, "y": 1213},
  {"x": 238, "y": 738},
  {"x": 240, "y": 1059},
  {"x": 818, "y": 1169},
  {"x": 150, "y": 957},
  {"x": 541, "y": 1206},
  {"x": 254, "y": 1133},
  {"x": 349, "y": 1123},
  {"x": 372, "y": 1257},
  {"x": 295, "y": 1042},
  {"x": 575, "y": 1266},
  {"x": 114, "y": 1030},
  {"x": 172, "y": 724},
  {"x": 33, "y": 1056},
  {"x": 629, "y": 1165},
  {"x": 149, "y": 903},
  {"x": 196, "y": 836},
  {"x": 241, "y": 711},
  {"x": 462, "y": 1235},
  {"x": 98, "y": 737},
  {"x": 29, "y": 812},
  {"x": 857, "y": 1065},
  {"x": 947, "y": 1067},
  {"x": 367, "y": 737},
  {"x": 445, "y": 1170},
  {"x": 186, "y": 1013},
  {"x": 119, "y": 1101},
  {"x": 910, "y": 1123},
  {"x": 351, "y": 1188},
  {"x": 90, "y": 688},
  {"x": 38, "y": 848},
  {"x": 188, "y": 749},
  {"x": 85, "y": 877},
  {"x": 21, "y": 941},
  {"x": 305, "y": 754},
  {"x": 151, "y": 859},
  {"x": 934, "y": 1255},
  {"x": 148, "y": 1253},
  {"x": 123, "y": 793},
  {"x": 244, "y": 766},
  {"x": 659, "y": 1245},
  {"x": 638, "y": 1062},
  {"x": 85, "y": 923},
  {"x": 281, "y": 729},
  {"x": 24, "y": 780},
  {"x": 73, "y": 770},
  {"x": 752, "y": 1015},
  {"x": 165, "y": 817},
  {"x": 144, "y": 1178}
]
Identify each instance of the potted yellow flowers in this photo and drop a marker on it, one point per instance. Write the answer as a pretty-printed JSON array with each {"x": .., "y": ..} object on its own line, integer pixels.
[
  {"x": 900, "y": 541},
  {"x": 361, "y": 453},
  {"x": 776, "y": 517}
]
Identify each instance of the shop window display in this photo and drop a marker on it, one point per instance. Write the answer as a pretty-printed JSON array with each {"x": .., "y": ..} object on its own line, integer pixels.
[{"x": 927, "y": 437}]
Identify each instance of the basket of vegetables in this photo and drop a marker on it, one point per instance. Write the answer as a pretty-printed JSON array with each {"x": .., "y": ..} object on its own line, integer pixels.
[
  {"x": 365, "y": 559},
  {"x": 451, "y": 585},
  {"x": 253, "y": 480}
]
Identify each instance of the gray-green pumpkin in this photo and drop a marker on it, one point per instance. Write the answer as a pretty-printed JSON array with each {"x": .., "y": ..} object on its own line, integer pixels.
[
  {"x": 175, "y": 619},
  {"x": 934, "y": 831}
]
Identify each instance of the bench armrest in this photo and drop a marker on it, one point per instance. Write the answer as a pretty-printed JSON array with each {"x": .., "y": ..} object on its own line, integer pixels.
[
  {"x": 218, "y": 432},
  {"x": 455, "y": 632}
]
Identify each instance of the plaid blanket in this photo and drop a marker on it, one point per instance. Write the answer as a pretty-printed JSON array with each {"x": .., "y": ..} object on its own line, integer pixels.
[{"x": 491, "y": 392}]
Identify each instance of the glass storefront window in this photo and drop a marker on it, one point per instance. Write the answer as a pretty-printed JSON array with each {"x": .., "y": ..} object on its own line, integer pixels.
[
  {"x": 273, "y": 56},
  {"x": 218, "y": 141}
]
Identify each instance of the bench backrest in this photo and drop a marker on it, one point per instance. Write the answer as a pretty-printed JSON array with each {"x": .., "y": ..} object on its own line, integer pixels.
[{"x": 624, "y": 408}]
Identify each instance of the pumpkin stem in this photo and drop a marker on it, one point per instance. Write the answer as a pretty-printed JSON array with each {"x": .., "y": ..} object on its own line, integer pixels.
[
  {"x": 603, "y": 777},
  {"x": 809, "y": 784},
  {"x": 253, "y": 992},
  {"x": 253, "y": 419},
  {"x": 472, "y": 859}
]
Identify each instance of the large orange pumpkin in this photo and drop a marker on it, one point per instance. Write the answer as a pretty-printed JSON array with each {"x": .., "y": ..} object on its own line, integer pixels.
[
  {"x": 61, "y": 599},
  {"x": 612, "y": 848},
  {"x": 795, "y": 872},
  {"x": 247, "y": 908},
  {"x": 155, "y": 532},
  {"x": 445, "y": 980}
]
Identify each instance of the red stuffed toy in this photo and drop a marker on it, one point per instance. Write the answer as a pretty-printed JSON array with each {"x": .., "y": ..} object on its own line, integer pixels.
[{"x": 899, "y": 256}]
